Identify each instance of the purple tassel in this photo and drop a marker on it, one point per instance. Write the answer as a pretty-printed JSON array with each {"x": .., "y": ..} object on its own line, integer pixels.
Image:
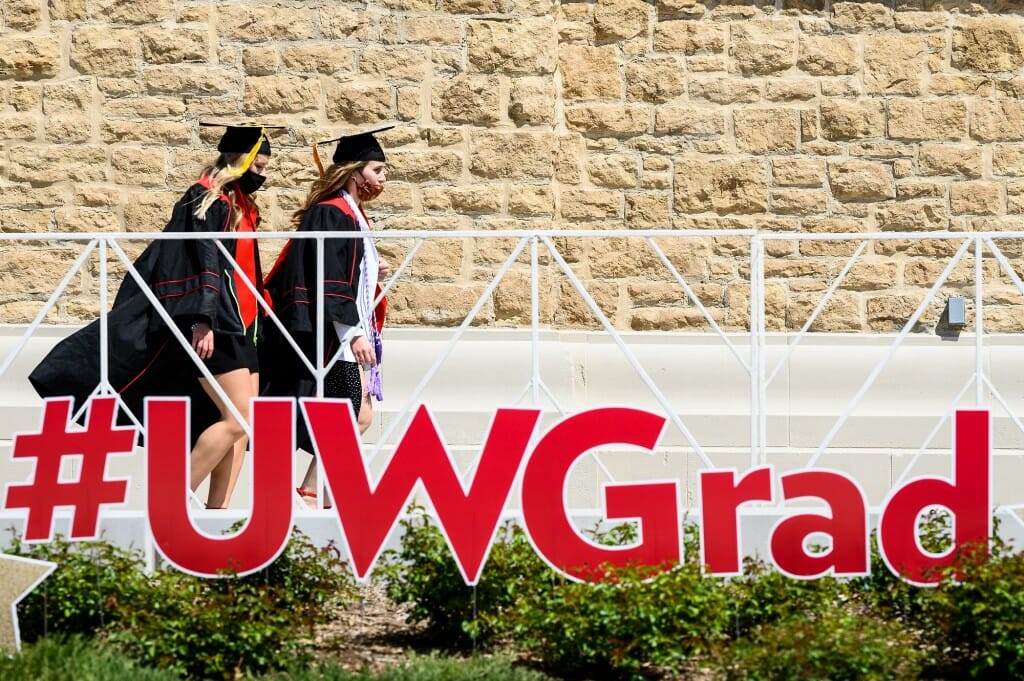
[{"x": 373, "y": 385}]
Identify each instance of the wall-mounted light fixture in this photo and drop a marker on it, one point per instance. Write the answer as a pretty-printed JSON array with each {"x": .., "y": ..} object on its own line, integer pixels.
[{"x": 956, "y": 312}]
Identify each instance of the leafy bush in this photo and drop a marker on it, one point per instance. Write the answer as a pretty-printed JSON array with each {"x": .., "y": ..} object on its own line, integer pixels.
[
  {"x": 623, "y": 626},
  {"x": 890, "y": 596},
  {"x": 314, "y": 577},
  {"x": 837, "y": 646},
  {"x": 57, "y": 659},
  {"x": 966, "y": 625},
  {"x": 423, "y": 572},
  {"x": 210, "y": 629},
  {"x": 86, "y": 592},
  {"x": 638, "y": 619},
  {"x": 764, "y": 596},
  {"x": 190, "y": 625},
  {"x": 219, "y": 628},
  {"x": 422, "y": 668},
  {"x": 977, "y": 618},
  {"x": 638, "y": 623}
]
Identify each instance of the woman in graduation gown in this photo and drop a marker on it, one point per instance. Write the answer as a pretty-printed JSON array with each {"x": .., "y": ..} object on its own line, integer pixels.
[
  {"x": 208, "y": 301},
  {"x": 352, "y": 270}
]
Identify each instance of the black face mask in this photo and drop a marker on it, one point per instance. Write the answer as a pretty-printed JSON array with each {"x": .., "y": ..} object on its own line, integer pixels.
[{"x": 250, "y": 182}]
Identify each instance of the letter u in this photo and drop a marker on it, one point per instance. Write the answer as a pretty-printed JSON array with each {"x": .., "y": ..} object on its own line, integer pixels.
[{"x": 265, "y": 534}]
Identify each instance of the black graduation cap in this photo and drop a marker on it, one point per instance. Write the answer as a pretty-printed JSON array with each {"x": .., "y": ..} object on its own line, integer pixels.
[
  {"x": 362, "y": 146},
  {"x": 242, "y": 138}
]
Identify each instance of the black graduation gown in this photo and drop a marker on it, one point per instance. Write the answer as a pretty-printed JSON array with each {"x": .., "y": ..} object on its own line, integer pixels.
[
  {"x": 192, "y": 280},
  {"x": 292, "y": 287}
]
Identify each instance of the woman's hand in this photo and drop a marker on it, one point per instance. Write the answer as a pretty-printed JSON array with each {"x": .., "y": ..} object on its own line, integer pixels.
[
  {"x": 202, "y": 340},
  {"x": 363, "y": 351},
  {"x": 383, "y": 269}
]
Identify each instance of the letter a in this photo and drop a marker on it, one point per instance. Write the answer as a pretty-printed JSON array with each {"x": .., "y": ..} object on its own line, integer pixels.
[{"x": 845, "y": 523}]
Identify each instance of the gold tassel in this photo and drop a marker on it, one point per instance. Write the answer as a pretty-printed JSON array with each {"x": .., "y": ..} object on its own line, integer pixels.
[
  {"x": 316, "y": 159},
  {"x": 239, "y": 170}
]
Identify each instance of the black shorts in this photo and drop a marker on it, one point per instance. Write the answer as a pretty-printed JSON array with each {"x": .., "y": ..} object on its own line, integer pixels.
[
  {"x": 231, "y": 352},
  {"x": 344, "y": 381}
]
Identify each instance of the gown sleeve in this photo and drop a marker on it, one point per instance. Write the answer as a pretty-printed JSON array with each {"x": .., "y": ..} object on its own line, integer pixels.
[{"x": 187, "y": 277}]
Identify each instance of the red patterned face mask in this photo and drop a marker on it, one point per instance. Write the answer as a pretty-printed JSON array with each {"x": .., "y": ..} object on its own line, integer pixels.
[{"x": 368, "y": 191}]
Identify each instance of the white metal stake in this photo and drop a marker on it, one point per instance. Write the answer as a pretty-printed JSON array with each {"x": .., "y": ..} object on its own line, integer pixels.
[
  {"x": 756, "y": 334},
  {"x": 535, "y": 322},
  {"x": 979, "y": 326},
  {"x": 104, "y": 350}
]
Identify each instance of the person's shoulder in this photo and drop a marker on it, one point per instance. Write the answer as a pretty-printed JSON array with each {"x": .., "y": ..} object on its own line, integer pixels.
[
  {"x": 191, "y": 196},
  {"x": 196, "y": 190},
  {"x": 194, "y": 194},
  {"x": 337, "y": 203},
  {"x": 184, "y": 218},
  {"x": 326, "y": 214}
]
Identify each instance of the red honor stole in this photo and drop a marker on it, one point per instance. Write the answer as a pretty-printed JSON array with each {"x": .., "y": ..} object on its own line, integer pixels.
[
  {"x": 245, "y": 254},
  {"x": 381, "y": 310}
]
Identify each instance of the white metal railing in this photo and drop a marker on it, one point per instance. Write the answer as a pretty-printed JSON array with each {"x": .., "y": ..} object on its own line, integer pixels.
[{"x": 754, "y": 362}]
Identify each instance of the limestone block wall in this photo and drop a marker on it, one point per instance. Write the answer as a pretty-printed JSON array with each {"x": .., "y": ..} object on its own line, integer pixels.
[{"x": 794, "y": 116}]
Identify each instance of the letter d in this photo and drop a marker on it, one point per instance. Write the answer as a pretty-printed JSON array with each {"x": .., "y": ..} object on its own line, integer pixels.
[{"x": 968, "y": 499}]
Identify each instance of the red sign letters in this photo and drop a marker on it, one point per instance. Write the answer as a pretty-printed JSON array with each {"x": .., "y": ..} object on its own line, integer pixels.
[{"x": 468, "y": 509}]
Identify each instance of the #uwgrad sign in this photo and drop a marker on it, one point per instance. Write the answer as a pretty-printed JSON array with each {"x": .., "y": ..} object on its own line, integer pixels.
[{"x": 469, "y": 513}]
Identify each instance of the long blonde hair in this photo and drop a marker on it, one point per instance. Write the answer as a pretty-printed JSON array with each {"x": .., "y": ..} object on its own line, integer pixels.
[
  {"x": 222, "y": 173},
  {"x": 327, "y": 185}
]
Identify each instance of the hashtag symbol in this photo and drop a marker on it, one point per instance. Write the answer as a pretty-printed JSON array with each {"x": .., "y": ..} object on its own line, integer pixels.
[{"x": 58, "y": 438}]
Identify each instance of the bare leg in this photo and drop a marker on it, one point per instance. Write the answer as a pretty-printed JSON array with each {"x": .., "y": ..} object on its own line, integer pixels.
[
  {"x": 224, "y": 476},
  {"x": 365, "y": 409},
  {"x": 219, "y": 439},
  {"x": 364, "y": 420}
]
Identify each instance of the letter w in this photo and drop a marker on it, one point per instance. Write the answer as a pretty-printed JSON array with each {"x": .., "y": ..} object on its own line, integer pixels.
[{"x": 468, "y": 519}]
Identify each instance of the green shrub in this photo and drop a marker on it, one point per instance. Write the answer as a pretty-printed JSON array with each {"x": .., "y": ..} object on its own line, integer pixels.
[
  {"x": 954, "y": 620},
  {"x": 422, "y": 668},
  {"x": 892, "y": 597},
  {"x": 836, "y": 646},
  {"x": 626, "y": 626},
  {"x": 423, "y": 573},
  {"x": 209, "y": 629},
  {"x": 92, "y": 583},
  {"x": 978, "y": 617},
  {"x": 191, "y": 625},
  {"x": 55, "y": 658},
  {"x": 638, "y": 620},
  {"x": 763, "y": 595},
  {"x": 218, "y": 628},
  {"x": 314, "y": 578}
]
